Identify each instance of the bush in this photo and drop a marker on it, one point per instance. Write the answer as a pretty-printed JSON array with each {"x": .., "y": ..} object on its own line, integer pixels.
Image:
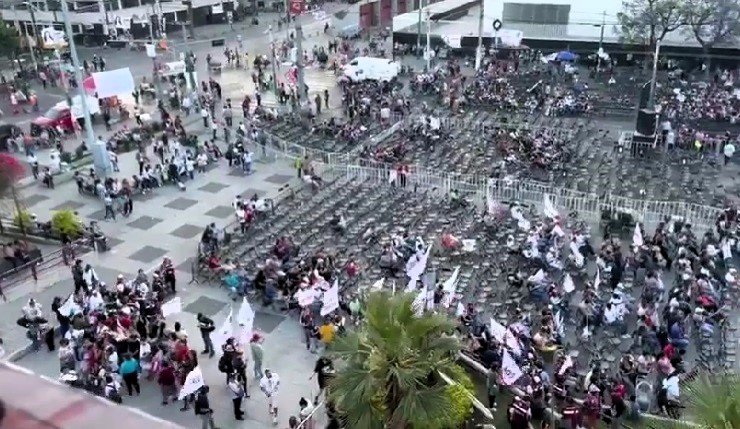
[
  {"x": 66, "y": 222},
  {"x": 23, "y": 220}
]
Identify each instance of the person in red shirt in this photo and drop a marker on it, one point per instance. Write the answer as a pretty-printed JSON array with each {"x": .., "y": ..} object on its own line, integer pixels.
[
  {"x": 352, "y": 268},
  {"x": 182, "y": 352},
  {"x": 125, "y": 321},
  {"x": 167, "y": 381}
]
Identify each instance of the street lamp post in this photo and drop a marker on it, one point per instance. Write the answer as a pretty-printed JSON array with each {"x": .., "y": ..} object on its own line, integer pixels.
[
  {"x": 101, "y": 159},
  {"x": 36, "y": 38}
]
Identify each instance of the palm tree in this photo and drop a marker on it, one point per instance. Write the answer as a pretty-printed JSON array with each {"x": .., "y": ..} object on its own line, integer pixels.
[
  {"x": 711, "y": 403},
  {"x": 389, "y": 367}
]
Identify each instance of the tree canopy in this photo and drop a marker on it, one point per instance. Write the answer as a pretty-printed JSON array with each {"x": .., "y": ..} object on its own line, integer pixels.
[
  {"x": 9, "y": 41},
  {"x": 712, "y": 21},
  {"x": 649, "y": 21},
  {"x": 11, "y": 171},
  {"x": 388, "y": 375}
]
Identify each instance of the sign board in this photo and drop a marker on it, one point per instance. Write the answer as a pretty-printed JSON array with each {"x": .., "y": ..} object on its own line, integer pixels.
[
  {"x": 217, "y": 9},
  {"x": 172, "y": 68},
  {"x": 53, "y": 38}
]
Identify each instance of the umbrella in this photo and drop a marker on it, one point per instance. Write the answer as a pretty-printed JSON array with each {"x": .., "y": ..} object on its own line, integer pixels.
[
  {"x": 89, "y": 85},
  {"x": 566, "y": 56}
]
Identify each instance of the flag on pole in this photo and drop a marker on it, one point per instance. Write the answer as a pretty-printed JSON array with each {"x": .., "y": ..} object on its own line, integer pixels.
[
  {"x": 225, "y": 332},
  {"x": 597, "y": 280},
  {"x": 510, "y": 371},
  {"x": 193, "y": 382},
  {"x": 330, "y": 301},
  {"x": 450, "y": 287},
  {"x": 637, "y": 236}
]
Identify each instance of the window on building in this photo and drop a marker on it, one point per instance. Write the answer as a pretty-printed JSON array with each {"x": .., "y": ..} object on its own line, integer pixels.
[{"x": 542, "y": 14}]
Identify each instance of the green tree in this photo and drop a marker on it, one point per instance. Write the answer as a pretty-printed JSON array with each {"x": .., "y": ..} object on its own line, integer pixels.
[
  {"x": 711, "y": 403},
  {"x": 389, "y": 369},
  {"x": 647, "y": 22},
  {"x": 711, "y": 22},
  {"x": 9, "y": 41}
]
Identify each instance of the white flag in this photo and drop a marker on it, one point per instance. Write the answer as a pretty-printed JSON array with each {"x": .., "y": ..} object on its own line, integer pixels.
[
  {"x": 420, "y": 301},
  {"x": 225, "y": 332},
  {"x": 417, "y": 264},
  {"x": 510, "y": 371},
  {"x": 70, "y": 307},
  {"x": 577, "y": 255},
  {"x": 450, "y": 287},
  {"x": 637, "y": 236},
  {"x": 568, "y": 284},
  {"x": 597, "y": 280},
  {"x": 559, "y": 325},
  {"x": 246, "y": 314},
  {"x": 193, "y": 382},
  {"x": 306, "y": 297},
  {"x": 498, "y": 331},
  {"x": 549, "y": 208},
  {"x": 172, "y": 306},
  {"x": 330, "y": 301},
  {"x": 377, "y": 285}
]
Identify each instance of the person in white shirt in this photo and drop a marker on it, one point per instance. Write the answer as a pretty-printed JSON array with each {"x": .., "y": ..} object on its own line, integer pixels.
[
  {"x": 186, "y": 104},
  {"x": 204, "y": 115},
  {"x": 269, "y": 386},
  {"x": 728, "y": 150},
  {"x": 247, "y": 162},
  {"x": 190, "y": 168},
  {"x": 202, "y": 162}
]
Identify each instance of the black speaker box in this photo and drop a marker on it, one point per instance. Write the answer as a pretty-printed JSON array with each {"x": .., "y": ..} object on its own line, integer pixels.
[
  {"x": 217, "y": 42},
  {"x": 647, "y": 122}
]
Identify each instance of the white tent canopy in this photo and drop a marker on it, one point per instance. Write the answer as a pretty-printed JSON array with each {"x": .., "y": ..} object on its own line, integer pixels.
[{"x": 113, "y": 83}]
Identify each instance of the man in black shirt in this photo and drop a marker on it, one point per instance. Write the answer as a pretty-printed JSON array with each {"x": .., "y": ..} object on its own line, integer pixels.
[
  {"x": 206, "y": 326},
  {"x": 203, "y": 408},
  {"x": 323, "y": 370}
]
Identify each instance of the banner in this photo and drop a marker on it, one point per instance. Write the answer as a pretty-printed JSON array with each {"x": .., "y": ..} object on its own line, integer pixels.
[
  {"x": 224, "y": 333},
  {"x": 193, "y": 382},
  {"x": 330, "y": 301},
  {"x": 306, "y": 297},
  {"x": 549, "y": 208},
  {"x": 597, "y": 280},
  {"x": 568, "y": 284},
  {"x": 417, "y": 264},
  {"x": 498, "y": 331},
  {"x": 460, "y": 310},
  {"x": 450, "y": 287},
  {"x": 70, "y": 307},
  {"x": 246, "y": 314},
  {"x": 172, "y": 306},
  {"x": 510, "y": 371}
]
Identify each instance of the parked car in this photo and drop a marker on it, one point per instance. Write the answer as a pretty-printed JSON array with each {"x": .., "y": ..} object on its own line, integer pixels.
[{"x": 62, "y": 115}]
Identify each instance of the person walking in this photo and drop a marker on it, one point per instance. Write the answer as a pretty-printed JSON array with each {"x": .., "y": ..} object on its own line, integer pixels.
[
  {"x": 206, "y": 327},
  {"x": 167, "y": 380},
  {"x": 237, "y": 395},
  {"x": 129, "y": 371},
  {"x": 255, "y": 345},
  {"x": 269, "y": 386}
]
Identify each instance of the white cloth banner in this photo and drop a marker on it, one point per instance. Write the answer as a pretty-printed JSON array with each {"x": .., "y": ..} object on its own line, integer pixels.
[
  {"x": 377, "y": 285},
  {"x": 450, "y": 287},
  {"x": 512, "y": 342},
  {"x": 70, "y": 307},
  {"x": 549, "y": 208},
  {"x": 510, "y": 371},
  {"x": 306, "y": 297},
  {"x": 726, "y": 250},
  {"x": 637, "y": 236},
  {"x": 577, "y": 255},
  {"x": 417, "y": 264},
  {"x": 566, "y": 364},
  {"x": 460, "y": 310},
  {"x": 172, "y": 306},
  {"x": 193, "y": 382},
  {"x": 559, "y": 324},
  {"x": 114, "y": 83},
  {"x": 597, "y": 280},
  {"x": 330, "y": 302},
  {"x": 220, "y": 336},
  {"x": 498, "y": 331}
]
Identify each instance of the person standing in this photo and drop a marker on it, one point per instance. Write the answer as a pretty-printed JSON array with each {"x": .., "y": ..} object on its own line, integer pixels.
[
  {"x": 323, "y": 370},
  {"x": 237, "y": 395},
  {"x": 269, "y": 386},
  {"x": 255, "y": 345},
  {"x": 203, "y": 409},
  {"x": 167, "y": 381},
  {"x": 129, "y": 371},
  {"x": 206, "y": 327}
]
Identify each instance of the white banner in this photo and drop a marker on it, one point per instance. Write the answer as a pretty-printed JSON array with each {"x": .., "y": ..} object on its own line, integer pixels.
[
  {"x": 306, "y": 297},
  {"x": 417, "y": 264},
  {"x": 510, "y": 371},
  {"x": 224, "y": 333},
  {"x": 580, "y": 260},
  {"x": 568, "y": 284},
  {"x": 70, "y": 307},
  {"x": 330, "y": 302},
  {"x": 549, "y": 208},
  {"x": 450, "y": 287},
  {"x": 113, "y": 83},
  {"x": 460, "y": 310},
  {"x": 172, "y": 306},
  {"x": 193, "y": 382},
  {"x": 597, "y": 280}
]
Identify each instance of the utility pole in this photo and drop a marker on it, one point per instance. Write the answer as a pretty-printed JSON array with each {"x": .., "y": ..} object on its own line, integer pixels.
[
  {"x": 601, "y": 42},
  {"x": 36, "y": 38},
  {"x": 479, "y": 52},
  {"x": 299, "y": 61},
  {"x": 429, "y": 42},
  {"x": 651, "y": 100},
  {"x": 273, "y": 60},
  {"x": 104, "y": 12},
  {"x": 101, "y": 159},
  {"x": 418, "y": 29},
  {"x": 189, "y": 66}
]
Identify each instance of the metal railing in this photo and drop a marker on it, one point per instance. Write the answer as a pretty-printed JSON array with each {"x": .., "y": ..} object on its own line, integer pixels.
[{"x": 481, "y": 188}]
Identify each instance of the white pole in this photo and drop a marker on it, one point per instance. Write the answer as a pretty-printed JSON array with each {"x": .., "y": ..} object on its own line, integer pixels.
[{"x": 479, "y": 52}]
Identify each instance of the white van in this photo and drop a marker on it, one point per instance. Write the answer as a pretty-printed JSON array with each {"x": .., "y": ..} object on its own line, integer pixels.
[{"x": 370, "y": 68}]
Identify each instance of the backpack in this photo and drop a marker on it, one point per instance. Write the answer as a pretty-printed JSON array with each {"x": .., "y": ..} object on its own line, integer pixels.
[{"x": 223, "y": 364}]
